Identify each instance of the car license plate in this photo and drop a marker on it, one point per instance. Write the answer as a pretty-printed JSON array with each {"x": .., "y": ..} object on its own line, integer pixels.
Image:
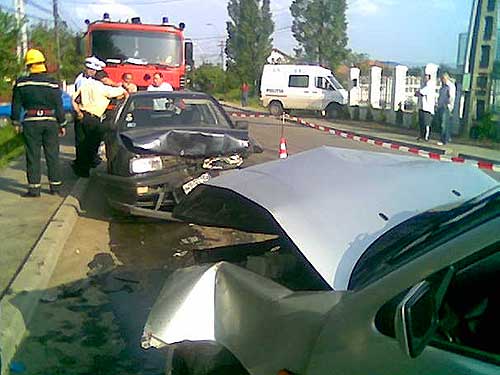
[{"x": 188, "y": 186}]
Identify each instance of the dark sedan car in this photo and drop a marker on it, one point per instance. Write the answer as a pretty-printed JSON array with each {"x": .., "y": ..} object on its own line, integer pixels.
[{"x": 163, "y": 144}]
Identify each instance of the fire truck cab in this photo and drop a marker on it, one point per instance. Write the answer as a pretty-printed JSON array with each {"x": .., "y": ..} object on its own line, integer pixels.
[{"x": 140, "y": 49}]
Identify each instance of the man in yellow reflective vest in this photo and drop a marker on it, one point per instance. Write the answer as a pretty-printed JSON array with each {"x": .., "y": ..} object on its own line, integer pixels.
[{"x": 40, "y": 97}]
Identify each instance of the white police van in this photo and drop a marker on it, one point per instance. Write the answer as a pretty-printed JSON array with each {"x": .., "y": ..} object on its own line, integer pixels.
[{"x": 301, "y": 87}]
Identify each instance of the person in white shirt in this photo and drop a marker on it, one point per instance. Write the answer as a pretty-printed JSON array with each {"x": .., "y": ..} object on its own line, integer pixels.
[
  {"x": 446, "y": 102},
  {"x": 158, "y": 84},
  {"x": 92, "y": 65},
  {"x": 426, "y": 102},
  {"x": 90, "y": 102}
]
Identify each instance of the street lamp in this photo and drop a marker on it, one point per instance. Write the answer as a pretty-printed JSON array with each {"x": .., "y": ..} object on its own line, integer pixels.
[{"x": 221, "y": 44}]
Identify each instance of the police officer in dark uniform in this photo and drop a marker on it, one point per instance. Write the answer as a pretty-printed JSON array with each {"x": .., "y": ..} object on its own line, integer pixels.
[{"x": 40, "y": 97}]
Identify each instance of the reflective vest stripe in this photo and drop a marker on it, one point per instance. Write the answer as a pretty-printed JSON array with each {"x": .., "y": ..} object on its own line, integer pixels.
[
  {"x": 43, "y": 118},
  {"x": 35, "y": 83}
]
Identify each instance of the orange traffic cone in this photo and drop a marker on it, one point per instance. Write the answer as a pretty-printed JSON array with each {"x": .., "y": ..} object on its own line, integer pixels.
[{"x": 283, "y": 151}]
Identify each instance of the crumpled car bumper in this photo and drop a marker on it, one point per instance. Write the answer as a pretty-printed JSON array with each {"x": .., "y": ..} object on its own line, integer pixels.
[
  {"x": 237, "y": 309},
  {"x": 149, "y": 194}
]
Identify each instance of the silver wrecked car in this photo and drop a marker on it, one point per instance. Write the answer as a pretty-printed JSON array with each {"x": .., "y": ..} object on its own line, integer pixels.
[{"x": 404, "y": 251}]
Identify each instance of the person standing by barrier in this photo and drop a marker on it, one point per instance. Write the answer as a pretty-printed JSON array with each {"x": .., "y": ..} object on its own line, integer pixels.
[
  {"x": 245, "y": 88},
  {"x": 426, "y": 102},
  {"x": 90, "y": 102},
  {"x": 40, "y": 96},
  {"x": 446, "y": 102}
]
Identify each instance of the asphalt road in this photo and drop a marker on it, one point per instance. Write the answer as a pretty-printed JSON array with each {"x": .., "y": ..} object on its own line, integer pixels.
[{"x": 112, "y": 269}]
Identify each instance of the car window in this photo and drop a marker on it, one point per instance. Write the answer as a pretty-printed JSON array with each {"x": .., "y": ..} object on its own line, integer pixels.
[
  {"x": 298, "y": 81},
  {"x": 152, "y": 111},
  {"x": 468, "y": 317},
  {"x": 322, "y": 83}
]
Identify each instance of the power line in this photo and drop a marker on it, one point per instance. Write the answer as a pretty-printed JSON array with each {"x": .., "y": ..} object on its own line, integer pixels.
[
  {"x": 152, "y": 2},
  {"x": 12, "y": 10},
  {"x": 37, "y": 6}
]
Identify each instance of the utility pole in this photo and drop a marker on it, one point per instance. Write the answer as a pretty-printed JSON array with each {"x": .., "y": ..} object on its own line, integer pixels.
[
  {"x": 221, "y": 45},
  {"x": 22, "y": 44},
  {"x": 56, "y": 32}
]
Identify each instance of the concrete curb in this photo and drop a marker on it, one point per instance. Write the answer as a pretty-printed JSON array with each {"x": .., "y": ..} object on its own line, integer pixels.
[{"x": 21, "y": 300}]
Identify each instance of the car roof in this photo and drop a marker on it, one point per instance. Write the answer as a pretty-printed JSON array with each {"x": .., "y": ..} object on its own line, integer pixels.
[
  {"x": 174, "y": 94},
  {"x": 333, "y": 203}
]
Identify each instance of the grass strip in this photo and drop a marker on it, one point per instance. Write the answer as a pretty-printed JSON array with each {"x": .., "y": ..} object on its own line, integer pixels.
[{"x": 11, "y": 145}]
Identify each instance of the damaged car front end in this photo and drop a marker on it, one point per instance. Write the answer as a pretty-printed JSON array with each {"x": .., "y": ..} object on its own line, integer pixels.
[
  {"x": 378, "y": 248},
  {"x": 162, "y": 145}
]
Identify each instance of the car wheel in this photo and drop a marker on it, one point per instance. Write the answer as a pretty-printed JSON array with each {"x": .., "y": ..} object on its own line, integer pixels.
[
  {"x": 336, "y": 111},
  {"x": 204, "y": 359},
  {"x": 276, "y": 108}
]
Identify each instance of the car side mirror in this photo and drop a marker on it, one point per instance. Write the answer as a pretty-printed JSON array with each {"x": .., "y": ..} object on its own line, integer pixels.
[
  {"x": 241, "y": 125},
  {"x": 417, "y": 315}
]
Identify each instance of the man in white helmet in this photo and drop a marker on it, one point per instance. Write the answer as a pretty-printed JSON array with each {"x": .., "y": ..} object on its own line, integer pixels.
[{"x": 92, "y": 65}]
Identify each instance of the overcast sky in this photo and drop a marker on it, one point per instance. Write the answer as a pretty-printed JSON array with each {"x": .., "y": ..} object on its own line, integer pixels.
[{"x": 399, "y": 30}]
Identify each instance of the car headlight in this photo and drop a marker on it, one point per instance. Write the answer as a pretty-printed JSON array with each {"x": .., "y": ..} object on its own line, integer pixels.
[{"x": 142, "y": 165}]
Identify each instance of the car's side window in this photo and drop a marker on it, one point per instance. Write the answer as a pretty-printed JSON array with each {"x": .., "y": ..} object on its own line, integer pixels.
[
  {"x": 298, "y": 81},
  {"x": 469, "y": 317}
]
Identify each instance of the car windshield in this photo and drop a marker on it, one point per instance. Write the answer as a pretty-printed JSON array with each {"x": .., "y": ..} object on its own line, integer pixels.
[
  {"x": 137, "y": 47},
  {"x": 168, "y": 110}
]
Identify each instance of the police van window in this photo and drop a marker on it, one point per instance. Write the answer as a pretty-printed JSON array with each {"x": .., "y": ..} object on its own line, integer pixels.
[
  {"x": 321, "y": 83},
  {"x": 298, "y": 81}
]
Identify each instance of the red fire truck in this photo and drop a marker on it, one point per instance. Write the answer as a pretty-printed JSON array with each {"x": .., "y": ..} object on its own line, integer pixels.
[{"x": 140, "y": 49}]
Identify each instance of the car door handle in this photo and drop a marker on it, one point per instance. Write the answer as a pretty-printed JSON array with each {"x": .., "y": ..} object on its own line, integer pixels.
[{"x": 306, "y": 92}]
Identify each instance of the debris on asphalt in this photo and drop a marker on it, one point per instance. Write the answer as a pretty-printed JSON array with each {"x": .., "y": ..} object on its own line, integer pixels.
[
  {"x": 74, "y": 289},
  {"x": 190, "y": 240},
  {"x": 180, "y": 254},
  {"x": 110, "y": 284},
  {"x": 102, "y": 263},
  {"x": 127, "y": 277}
]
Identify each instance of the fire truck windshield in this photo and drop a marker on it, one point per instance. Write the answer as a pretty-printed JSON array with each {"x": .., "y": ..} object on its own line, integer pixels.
[{"x": 137, "y": 47}]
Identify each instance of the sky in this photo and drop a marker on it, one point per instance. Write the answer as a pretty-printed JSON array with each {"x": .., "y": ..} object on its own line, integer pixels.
[{"x": 406, "y": 31}]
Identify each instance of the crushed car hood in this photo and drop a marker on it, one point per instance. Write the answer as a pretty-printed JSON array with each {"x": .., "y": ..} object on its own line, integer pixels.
[
  {"x": 331, "y": 202},
  {"x": 238, "y": 309},
  {"x": 192, "y": 142}
]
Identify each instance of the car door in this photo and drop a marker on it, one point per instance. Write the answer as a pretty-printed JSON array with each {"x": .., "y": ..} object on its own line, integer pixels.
[{"x": 360, "y": 335}]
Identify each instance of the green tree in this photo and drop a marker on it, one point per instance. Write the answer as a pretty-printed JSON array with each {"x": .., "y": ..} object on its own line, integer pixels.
[
  {"x": 42, "y": 37},
  {"x": 319, "y": 26},
  {"x": 9, "y": 63},
  {"x": 249, "y": 40}
]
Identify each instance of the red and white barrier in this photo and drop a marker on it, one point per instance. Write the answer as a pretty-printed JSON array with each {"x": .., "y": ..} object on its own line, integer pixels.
[{"x": 376, "y": 142}]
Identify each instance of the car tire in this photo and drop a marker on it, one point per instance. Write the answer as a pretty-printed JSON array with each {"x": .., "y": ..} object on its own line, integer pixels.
[
  {"x": 336, "y": 111},
  {"x": 204, "y": 359},
  {"x": 276, "y": 108}
]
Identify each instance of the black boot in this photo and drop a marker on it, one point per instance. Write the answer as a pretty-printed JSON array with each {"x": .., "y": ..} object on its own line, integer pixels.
[
  {"x": 32, "y": 193},
  {"x": 55, "y": 191}
]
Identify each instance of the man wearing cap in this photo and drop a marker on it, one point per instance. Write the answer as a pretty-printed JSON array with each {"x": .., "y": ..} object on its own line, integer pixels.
[
  {"x": 40, "y": 96},
  {"x": 92, "y": 66},
  {"x": 90, "y": 102}
]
